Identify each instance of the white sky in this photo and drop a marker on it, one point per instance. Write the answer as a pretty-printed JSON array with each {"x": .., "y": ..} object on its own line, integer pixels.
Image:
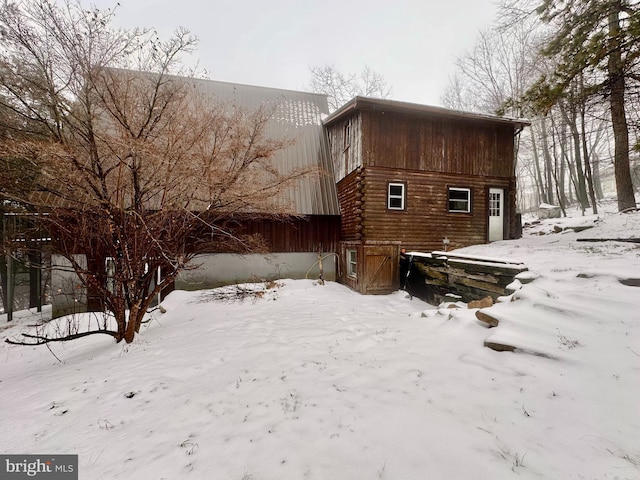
[{"x": 412, "y": 43}]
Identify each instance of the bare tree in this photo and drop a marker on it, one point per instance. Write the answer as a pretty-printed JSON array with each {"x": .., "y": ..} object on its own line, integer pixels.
[
  {"x": 497, "y": 69},
  {"x": 130, "y": 164},
  {"x": 596, "y": 41},
  {"x": 341, "y": 88}
]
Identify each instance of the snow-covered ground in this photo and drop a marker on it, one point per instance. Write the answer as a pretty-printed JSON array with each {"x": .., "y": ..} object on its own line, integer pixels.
[{"x": 318, "y": 382}]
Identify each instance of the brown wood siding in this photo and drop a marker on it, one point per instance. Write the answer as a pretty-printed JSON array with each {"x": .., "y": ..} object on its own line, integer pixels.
[
  {"x": 343, "y": 276},
  {"x": 308, "y": 234},
  {"x": 350, "y": 198},
  {"x": 345, "y": 152},
  {"x": 464, "y": 147},
  {"x": 426, "y": 221},
  {"x": 380, "y": 269},
  {"x": 376, "y": 267}
]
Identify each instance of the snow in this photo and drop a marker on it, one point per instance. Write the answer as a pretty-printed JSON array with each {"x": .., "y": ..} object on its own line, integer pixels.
[{"x": 305, "y": 381}]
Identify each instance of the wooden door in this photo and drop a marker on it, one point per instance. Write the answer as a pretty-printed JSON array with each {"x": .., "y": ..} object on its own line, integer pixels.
[
  {"x": 380, "y": 269},
  {"x": 496, "y": 214}
]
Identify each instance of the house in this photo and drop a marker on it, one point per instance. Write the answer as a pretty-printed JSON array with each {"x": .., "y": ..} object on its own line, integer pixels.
[
  {"x": 420, "y": 178},
  {"x": 392, "y": 175},
  {"x": 296, "y": 242}
]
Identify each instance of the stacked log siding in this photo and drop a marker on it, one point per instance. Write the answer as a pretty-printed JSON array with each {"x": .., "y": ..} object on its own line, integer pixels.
[{"x": 426, "y": 221}]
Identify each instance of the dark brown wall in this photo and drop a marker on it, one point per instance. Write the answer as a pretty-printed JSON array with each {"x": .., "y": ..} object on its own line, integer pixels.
[
  {"x": 308, "y": 234},
  {"x": 426, "y": 220},
  {"x": 345, "y": 151},
  {"x": 350, "y": 198},
  {"x": 434, "y": 144}
]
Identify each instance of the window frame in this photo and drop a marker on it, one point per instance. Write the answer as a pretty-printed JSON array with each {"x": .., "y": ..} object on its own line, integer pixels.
[
  {"x": 352, "y": 263},
  {"x": 468, "y": 200},
  {"x": 402, "y": 197},
  {"x": 346, "y": 135}
]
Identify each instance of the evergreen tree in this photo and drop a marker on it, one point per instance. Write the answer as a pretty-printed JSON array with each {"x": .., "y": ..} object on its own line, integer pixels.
[{"x": 599, "y": 40}]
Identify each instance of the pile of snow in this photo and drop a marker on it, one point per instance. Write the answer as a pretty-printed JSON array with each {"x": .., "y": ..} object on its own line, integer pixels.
[{"x": 304, "y": 381}]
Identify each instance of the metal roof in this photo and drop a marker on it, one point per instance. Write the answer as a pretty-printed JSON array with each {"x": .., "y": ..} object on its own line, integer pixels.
[
  {"x": 366, "y": 103},
  {"x": 297, "y": 116}
]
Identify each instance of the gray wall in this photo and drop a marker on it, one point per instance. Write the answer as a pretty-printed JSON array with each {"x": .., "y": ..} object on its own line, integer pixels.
[
  {"x": 69, "y": 296},
  {"x": 227, "y": 269}
]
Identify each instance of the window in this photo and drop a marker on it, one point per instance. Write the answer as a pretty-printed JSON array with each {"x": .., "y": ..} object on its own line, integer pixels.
[
  {"x": 459, "y": 200},
  {"x": 352, "y": 263},
  {"x": 494, "y": 204},
  {"x": 346, "y": 137},
  {"x": 395, "y": 196}
]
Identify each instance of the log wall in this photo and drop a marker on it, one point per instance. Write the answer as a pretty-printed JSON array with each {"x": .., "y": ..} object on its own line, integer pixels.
[
  {"x": 351, "y": 205},
  {"x": 426, "y": 221}
]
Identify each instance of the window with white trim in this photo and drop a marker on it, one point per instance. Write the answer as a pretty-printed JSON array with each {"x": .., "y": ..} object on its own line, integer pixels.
[
  {"x": 352, "y": 263},
  {"x": 396, "y": 196},
  {"x": 459, "y": 200}
]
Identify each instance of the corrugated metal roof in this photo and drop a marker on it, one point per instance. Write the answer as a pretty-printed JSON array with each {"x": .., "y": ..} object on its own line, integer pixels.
[
  {"x": 297, "y": 116},
  {"x": 361, "y": 103}
]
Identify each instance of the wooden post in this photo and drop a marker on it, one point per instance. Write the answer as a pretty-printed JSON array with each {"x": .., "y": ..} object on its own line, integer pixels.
[
  {"x": 158, "y": 280},
  {"x": 321, "y": 278},
  {"x": 35, "y": 280},
  {"x": 10, "y": 286}
]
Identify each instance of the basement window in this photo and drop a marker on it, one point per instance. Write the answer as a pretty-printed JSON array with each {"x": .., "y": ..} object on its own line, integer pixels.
[
  {"x": 352, "y": 263},
  {"x": 459, "y": 200},
  {"x": 396, "y": 196}
]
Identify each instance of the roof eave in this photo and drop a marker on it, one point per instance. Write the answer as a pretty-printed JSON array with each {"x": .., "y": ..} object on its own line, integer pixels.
[{"x": 362, "y": 103}]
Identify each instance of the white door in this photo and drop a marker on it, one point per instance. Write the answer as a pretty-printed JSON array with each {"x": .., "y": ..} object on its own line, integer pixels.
[{"x": 496, "y": 214}]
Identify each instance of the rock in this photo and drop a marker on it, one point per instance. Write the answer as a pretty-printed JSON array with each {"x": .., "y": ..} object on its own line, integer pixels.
[
  {"x": 557, "y": 228},
  {"x": 630, "y": 282},
  {"x": 513, "y": 287},
  {"x": 527, "y": 277},
  {"x": 499, "y": 347},
  {"x": 486, "y": 318},
  {"x": 482, "y": 303},
  {"x": 548, "y": 211},
  {"x": 581, "y": 228}
]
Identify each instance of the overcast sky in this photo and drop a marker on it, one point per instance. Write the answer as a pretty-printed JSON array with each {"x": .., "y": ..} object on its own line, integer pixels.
[{"x": 272, "y": 43}]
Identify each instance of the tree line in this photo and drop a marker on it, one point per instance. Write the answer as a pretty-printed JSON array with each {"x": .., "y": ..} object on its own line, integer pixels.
[{"x": 571, "y": 67}]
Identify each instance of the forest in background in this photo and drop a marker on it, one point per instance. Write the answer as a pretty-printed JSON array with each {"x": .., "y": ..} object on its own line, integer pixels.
[{"x": 572, "y": 68}]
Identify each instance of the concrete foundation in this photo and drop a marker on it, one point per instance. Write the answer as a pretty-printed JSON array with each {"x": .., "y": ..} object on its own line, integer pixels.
[
  {"x": 228, "y": 269},
  {"x": 69, "y": 295}
]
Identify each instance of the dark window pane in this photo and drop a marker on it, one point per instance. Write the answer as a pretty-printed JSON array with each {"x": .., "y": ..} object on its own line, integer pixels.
[{"x": 396, "y": 190}]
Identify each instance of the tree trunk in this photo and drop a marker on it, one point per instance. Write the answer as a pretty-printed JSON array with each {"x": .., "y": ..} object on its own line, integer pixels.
[
  {"x": 4, "y": 282},
  {"x": 624, "y": 185},
  {"x": 132, "y": 323},
  {"x": 581, "y": 185},
  {"x": 548, "y": 188},
  {"x": 562, "y": 175},
  {"x": 35, "y": 280},
  {"x": 536, "y": 164},
  {"x": 597, "y": 182},
  {"x": 587, "y": 162}
]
